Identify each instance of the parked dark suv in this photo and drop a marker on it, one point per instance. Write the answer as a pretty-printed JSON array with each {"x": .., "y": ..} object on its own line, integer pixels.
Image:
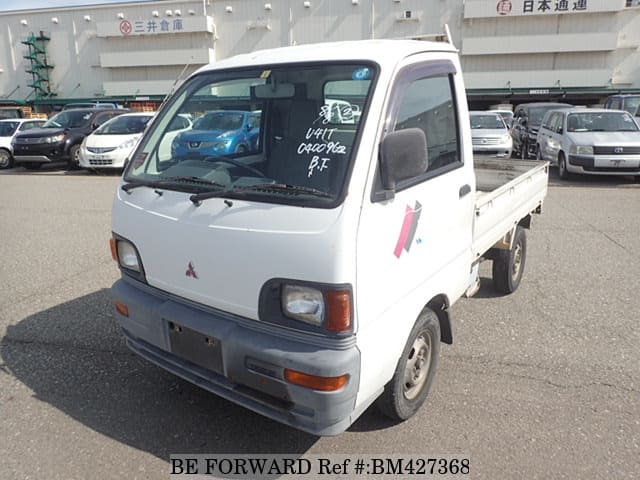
[
  {"x": 527, "y": 118},
  {"x": 60, "y": 137}
]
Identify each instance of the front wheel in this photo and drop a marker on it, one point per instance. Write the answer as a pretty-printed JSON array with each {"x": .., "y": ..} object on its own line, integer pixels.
[
  {"x": 6, "y": 160},
  {"x": 415, "y": 372},
  {"x": 562, "y": 167},
  {"x": 74, "y": 157},
  {"x": 508, "y": 265}
]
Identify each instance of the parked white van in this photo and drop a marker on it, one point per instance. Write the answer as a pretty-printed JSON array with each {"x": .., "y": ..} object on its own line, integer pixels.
[{"x": 312, "y": 277}]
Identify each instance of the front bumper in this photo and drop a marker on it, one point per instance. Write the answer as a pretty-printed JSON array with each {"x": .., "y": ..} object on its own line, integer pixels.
[
  {"x": 114, "y": 159},
  {"x": 40, "y": 153},
  {"x": 496, "y": 151},
  {"x": 247, "y": 358},
  {"x": 604, "y": 164}
]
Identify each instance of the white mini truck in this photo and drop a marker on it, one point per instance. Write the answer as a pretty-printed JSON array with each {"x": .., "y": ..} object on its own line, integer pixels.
[{"x": 312, "y": 275}]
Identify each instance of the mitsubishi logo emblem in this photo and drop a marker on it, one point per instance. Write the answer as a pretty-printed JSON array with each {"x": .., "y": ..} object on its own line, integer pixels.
[
  {"x": 191, "y": 271},
  {"x": 618, "y": 150}
]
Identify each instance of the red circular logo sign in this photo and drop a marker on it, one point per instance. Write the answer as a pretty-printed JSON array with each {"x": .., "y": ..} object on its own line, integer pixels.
[
  {"x": 125, "y": 27},
  {"x": 504, "y": 7}
]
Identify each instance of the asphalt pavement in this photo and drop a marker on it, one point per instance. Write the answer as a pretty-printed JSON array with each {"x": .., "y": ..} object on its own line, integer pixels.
[{"x": 544, "y": 383}]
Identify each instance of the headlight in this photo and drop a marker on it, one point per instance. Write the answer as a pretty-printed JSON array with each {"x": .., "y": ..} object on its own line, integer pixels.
[
  {"x": 56, "y": 139},
  {"x": 303, "y": 303},
  {"x": 129, "y": 143},
  {"x": 505, "y": 138},
  {"x": 582, "y": 149},
  {"x": 328, "y": 307},
  {"x": 125, "y": 254}
]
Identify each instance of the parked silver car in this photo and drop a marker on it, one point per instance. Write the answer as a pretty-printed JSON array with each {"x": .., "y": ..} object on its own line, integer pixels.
[
  {"x": 490, "y": 135},
  {"x": 590, "y": 141}
]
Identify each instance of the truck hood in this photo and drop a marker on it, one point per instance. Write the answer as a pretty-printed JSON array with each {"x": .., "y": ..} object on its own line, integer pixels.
[{"x": 220, "y": 255}]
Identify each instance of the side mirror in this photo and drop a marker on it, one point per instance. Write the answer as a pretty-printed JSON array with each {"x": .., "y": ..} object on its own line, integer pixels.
[{"x": 403, "y": 155}]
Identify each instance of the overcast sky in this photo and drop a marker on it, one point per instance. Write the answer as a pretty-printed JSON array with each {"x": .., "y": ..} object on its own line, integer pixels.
[{"x": 8, "y": 5}]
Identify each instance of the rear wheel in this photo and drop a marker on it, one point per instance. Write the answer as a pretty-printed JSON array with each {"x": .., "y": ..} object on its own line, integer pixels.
[
  {"x": 415, "y": 371},
  {"x": 6, "y": 160},
  {"x": 508, "y": 265},
  {"x": 562, "y": 167}
]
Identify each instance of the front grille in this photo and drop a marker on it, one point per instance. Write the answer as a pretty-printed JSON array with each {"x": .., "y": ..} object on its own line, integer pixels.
[
  {"x": 632, "y": 150},
  {"x": 100, "y": 163},
  {"x": 100, "y": 149},
  {"x": 28, "y": 140},
  {"x": 486, "y": 141}
]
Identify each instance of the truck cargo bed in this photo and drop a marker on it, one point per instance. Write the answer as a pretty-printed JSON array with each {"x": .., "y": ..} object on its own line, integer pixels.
[{"x": 507, "y": 190}]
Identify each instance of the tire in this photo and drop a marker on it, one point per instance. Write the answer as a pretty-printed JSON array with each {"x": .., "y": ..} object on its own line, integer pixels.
[
  {"x": 32, "y": 166},
  {"x": 240, "y": 149},
  {"x": 415, "y": 372},
  {"x": 508, "y": 265},
  {"x": 562, "y": 167},
  {"x": 74, "y": 157},
  {"x": 6, "y": 160}
]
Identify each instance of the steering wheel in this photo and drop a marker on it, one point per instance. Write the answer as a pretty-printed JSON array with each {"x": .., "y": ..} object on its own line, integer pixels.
[{"x": 235, "y": 163}]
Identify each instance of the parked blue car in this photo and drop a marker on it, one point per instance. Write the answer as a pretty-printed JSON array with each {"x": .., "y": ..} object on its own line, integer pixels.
[{"x": 219, "y": 133}]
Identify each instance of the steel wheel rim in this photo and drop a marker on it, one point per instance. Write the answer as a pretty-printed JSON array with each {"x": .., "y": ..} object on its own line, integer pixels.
[
  {"x": 417, "y": 367},
  {"x": 76, "y": 156},
  {"x": 4, "y": 159},
  {"x": 517, "y": 260}
]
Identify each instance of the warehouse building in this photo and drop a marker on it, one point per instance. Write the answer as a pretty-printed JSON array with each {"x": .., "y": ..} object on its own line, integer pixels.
[{"x": 134, "y": 52}]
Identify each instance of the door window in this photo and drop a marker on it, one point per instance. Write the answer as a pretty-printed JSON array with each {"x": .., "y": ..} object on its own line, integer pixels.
[
  {"x": 615, "y": 103},
  {"x": 428, "y": 105}
]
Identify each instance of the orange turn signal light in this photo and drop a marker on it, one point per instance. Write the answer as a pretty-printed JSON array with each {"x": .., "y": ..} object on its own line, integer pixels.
[
  {"x": 114, "y": 249},
  {"x": 339, "y": 310},
  {"x": 324, "y": 384},
  {"x": 122, "y": 309}
]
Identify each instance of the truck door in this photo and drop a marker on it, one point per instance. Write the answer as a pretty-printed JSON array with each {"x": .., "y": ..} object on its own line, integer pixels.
[{"x": 419, "y": 240}]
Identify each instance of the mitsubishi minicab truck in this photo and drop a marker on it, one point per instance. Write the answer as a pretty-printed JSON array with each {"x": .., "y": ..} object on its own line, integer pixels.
[{"x": 310, "y": 273}]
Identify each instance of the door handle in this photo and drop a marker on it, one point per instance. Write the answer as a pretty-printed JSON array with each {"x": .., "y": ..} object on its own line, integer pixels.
[{"x": 464, "y": 190}]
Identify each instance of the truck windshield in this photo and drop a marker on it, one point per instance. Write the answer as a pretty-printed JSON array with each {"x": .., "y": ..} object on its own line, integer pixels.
[{"x": 279, "y": 134}]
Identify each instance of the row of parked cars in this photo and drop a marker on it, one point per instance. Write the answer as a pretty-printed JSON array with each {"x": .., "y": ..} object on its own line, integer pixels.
[
  {"x": 103, "y": 138},
  {"x": 579, "y": 140}
]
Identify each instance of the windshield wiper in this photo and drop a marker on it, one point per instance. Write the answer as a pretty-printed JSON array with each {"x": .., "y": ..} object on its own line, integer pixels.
[
  {"x": 268, "y": 187},
  {"x": 127, "y": 187}
]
